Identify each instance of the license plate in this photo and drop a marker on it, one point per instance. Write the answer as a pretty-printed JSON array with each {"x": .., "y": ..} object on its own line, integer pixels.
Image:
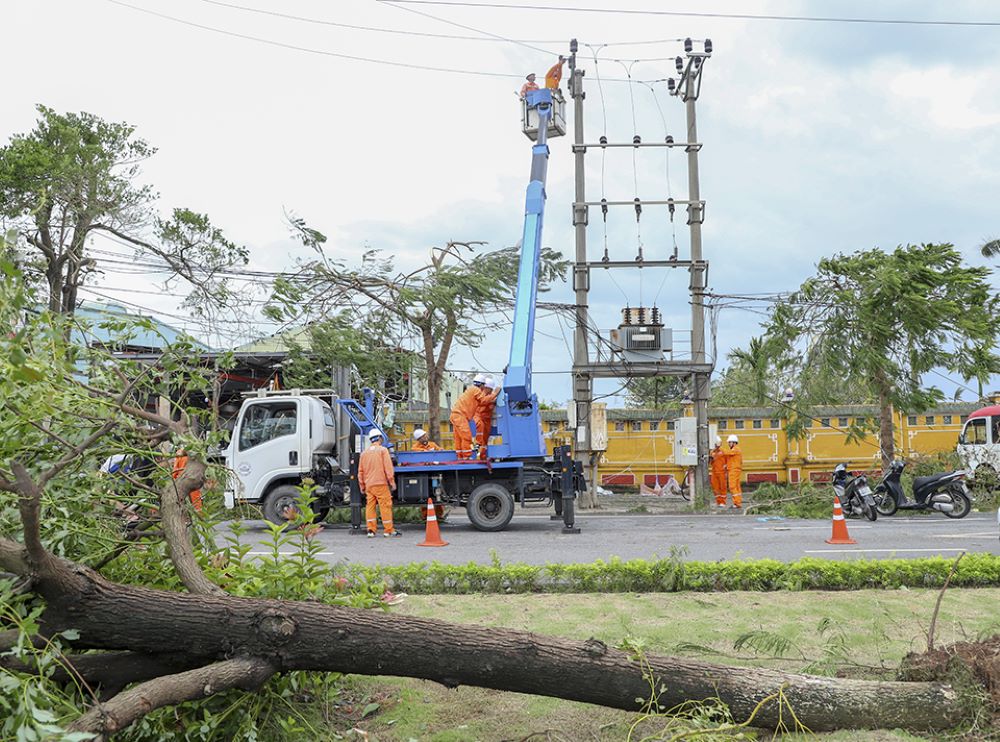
[{"x": 864, "y": 490}]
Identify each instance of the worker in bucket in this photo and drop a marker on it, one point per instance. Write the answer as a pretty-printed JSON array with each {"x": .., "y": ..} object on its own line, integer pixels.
[
  {"x": 717, "y": 468},
  {"x": 422, "y": 441},
  {"x": 734, "y": 469},
  {"x": 528, "y": 86},
  {"x": 377, "y": 480},
  {"x": 484, "y": 415},
  {"x": 554, "y": 76},
  {"x": 463, "y": 416}
]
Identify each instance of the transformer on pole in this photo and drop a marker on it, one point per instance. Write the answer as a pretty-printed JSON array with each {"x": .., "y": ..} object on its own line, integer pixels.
[{"x": 636, "y": 349}]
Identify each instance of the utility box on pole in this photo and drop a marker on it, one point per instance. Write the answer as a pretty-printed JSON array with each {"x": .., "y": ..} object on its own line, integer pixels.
[{"x": 686, "y": 440}]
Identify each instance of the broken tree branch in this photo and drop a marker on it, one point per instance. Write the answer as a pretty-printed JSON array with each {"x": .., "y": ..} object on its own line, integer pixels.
[
  {"x": 937, "y": 604},
  {"x": 247, "y": 673}
]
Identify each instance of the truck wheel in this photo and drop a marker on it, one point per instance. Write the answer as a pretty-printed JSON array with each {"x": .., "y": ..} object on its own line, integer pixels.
[
  {"x": 285, "y": 497},
  {"x": 491, "y": 506}
]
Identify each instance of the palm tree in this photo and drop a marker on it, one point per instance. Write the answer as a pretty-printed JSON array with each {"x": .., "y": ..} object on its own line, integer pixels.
[{"x": 990, "y": 248}]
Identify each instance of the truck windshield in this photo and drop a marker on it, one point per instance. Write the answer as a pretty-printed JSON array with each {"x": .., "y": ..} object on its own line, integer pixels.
[
  {"x": 265, "y": 422},
  {"x": 974, "y": 433}
]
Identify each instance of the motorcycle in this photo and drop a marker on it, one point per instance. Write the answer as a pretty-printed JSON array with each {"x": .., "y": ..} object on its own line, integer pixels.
[
  {"x": 945, "y": 492},
  {"x": 855, "y": 495}
]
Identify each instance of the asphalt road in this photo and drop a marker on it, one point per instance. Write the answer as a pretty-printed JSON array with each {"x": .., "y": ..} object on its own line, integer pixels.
[{"x": 534, "y": 539}]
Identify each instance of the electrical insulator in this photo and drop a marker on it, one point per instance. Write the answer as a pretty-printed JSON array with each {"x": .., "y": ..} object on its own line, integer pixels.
[
  {"x": 671, "y": 85},
  {"x": 603, "y": 139},
  {"x": 688, "y": 45},
  {"x": 636, "y": 139},
  {"x": 604, "y": 208},
  {"x": 708, "y": 46},
  {"x": 572, "y": 46},
  {"x": 671, "y": 206},
  {"x": 669, "y": 139},
  {"x": 680, "y": 64},
  {"x": 638, "y": 208}
]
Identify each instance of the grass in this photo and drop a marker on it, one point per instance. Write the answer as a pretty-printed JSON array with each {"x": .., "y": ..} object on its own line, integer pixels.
[{"x": 863, "y": 633}]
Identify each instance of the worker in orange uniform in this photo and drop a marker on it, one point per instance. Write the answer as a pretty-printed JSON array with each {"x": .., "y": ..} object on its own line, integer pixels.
[
  {"x": 734, "y": 469},
  {"x": 180, "y": 461},
  {"x": 377, "y": 480},
  {"x": 484, "y": 415},
  {"x": 463, "y": 413},
  {"x": 423, "y": 442},
  {"x": 718, "y": 472},
  {"x": 529, "y": 85},
  {"x": 554, "y": 76}
]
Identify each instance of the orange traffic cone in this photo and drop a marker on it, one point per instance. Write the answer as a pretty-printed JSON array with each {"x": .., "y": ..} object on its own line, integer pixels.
[
  {"x": 433, "y": 537},
  {"x": 840, "y": 535}
]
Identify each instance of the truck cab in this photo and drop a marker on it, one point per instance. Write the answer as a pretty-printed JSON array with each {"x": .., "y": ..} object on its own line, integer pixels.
[
  {"x": 979, "y": 443},
  {"x": 276, "y": 443}
]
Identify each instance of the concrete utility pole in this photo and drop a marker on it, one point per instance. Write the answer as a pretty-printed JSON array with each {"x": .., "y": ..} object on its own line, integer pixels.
[
  {"x": 633, "y": 361},
  {"x": 583, "y": 383}
]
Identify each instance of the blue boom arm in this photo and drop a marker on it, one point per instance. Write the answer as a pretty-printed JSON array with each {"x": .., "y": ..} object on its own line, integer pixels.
[{"x": 519, "y": 417}]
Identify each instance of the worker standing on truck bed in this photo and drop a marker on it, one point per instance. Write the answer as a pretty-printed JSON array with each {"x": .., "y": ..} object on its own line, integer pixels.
[
  {"x": 377, "y": 480},
  {"x": 554, "y": 76},
  {"x": 484, "y": 414},
  {"x": 422, "y": 441},
  {"x": 463, "y": 413}
]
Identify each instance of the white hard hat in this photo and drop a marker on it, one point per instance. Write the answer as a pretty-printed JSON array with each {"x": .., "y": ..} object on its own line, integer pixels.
[
  {"x": 374, "y": 433},
  {"x": 419, "y": 433},
  {"x": 718, "y": 441},
  {"x": 490, "y": 383},
  {"x": 479, "y": 378},
  {"x": 732, "y": 439}
]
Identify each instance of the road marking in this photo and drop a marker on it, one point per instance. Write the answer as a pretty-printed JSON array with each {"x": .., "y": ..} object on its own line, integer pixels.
[
  {"x": 875, "y": 551},
  {"x": 991, "y": 534},
  {"x": 801, "y": 528}
]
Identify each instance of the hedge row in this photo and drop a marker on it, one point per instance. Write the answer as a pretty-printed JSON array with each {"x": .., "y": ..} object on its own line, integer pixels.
[{"x": 676, "y": 575}]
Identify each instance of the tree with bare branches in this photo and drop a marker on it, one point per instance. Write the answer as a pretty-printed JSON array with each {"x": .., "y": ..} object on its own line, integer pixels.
[
  {"x": 457, "y": 297},
  {"x": 75, "y": 177}
]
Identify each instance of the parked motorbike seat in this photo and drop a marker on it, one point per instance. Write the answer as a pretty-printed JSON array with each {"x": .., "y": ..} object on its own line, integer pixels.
[{"x": 922, "y": 483}]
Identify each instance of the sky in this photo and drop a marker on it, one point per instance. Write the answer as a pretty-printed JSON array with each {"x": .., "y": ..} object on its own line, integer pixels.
[{"x": 385, "y": 131}]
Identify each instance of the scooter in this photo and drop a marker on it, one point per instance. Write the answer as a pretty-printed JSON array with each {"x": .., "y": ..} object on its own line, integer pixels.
[
  {"x": 855, "y": 495},
  {"x": 945, "y": 492}
]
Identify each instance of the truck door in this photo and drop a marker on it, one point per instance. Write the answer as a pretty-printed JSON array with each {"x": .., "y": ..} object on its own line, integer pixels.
[{"x": 267, "y": 444}]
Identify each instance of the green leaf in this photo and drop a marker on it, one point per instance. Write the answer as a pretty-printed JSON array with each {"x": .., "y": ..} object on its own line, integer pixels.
[{"x": 370, "y": 709}]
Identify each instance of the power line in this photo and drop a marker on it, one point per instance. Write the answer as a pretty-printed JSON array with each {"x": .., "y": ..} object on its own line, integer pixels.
[
  {"x": 684, "y": 14},
  {"x": 402, "y": 32},
  {"x": 467, "y": 28},
  {"x": 310, "y": 50}
]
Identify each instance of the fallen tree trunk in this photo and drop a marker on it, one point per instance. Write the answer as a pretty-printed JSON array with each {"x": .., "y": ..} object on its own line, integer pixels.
[{"x": 287, "y": 635}]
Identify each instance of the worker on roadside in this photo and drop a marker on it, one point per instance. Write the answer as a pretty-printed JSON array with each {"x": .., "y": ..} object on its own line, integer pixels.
[
  {"x": 464, "y": 413},
  {"x": 180, "y": 461},
  {"x": 423, "y": 442},
  {"x": 377, "y": 480},
  {"x": 528, "y": 86},
  {"x": 718, "y": 472},
  {"x": 484, "y": 414},
  {"x": 554, "y": 76},
  {"x": 734, "y": 470}
]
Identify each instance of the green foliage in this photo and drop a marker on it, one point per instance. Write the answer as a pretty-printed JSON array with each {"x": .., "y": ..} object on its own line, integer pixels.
[
  {"x": 370, "y": 349},
  {"x": 672, "y": 574},
  {"x": 75, "y": 176},
  {"x": 32, "y": 705},
  {"x": 790, "y": 501},
  {"x": 880, "y": 321}
]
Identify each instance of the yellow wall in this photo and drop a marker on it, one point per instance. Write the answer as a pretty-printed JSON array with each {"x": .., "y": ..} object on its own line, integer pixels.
[{"x": 634, "y": 454}]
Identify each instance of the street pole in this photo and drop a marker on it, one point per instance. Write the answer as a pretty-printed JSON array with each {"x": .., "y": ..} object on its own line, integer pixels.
[
  {"x": 583, "y": 385},
  {"x": 697, "y": 288}
]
